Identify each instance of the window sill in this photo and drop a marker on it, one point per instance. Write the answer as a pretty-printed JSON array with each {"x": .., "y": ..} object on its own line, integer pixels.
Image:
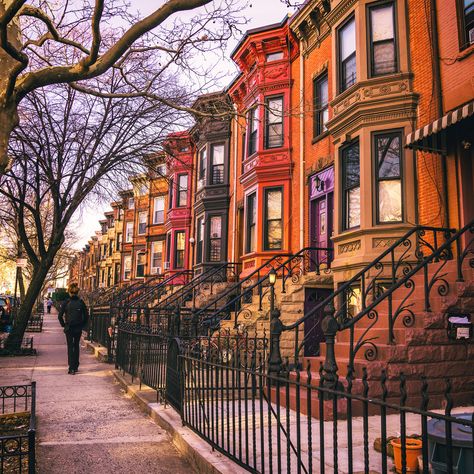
[
  {"x": 465, "y": 52},
  {"x": 320, "y": 137}
]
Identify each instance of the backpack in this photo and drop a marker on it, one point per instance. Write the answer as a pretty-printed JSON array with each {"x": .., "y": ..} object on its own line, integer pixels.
[{"x": 74, "y": 312}]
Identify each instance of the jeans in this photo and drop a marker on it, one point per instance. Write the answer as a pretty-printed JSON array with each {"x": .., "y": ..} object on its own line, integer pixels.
[{"x": 73, "y": 337}]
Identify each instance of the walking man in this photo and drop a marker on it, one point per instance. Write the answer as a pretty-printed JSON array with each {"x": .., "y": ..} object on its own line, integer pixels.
[
  {"x": 73, "y": 317},
  {"x": 49, "y": 303}
]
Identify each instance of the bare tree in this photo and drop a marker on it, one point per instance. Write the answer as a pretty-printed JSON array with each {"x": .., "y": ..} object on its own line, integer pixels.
[
  {"x": 69, "y": 146},
  {"x": 44, "y": 43}
]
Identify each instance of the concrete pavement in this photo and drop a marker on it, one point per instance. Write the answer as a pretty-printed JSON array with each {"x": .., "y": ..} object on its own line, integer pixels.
[{"x": 86, "y": 423}]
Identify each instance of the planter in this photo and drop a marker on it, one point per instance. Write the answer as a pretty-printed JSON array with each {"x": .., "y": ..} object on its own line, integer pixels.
[{"x": 412, "y": 449}]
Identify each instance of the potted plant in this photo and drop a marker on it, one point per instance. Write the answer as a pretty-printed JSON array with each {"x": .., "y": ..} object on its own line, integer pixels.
[{"x": 412, "y": 449}]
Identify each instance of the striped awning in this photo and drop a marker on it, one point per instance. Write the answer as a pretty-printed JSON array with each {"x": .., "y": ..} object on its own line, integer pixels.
[{"x": 426, "y": 138}]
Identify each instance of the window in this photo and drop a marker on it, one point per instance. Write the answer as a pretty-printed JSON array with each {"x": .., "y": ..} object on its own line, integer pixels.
[
  {"x": 215, "y": 239},
  {"x": 274, "y": 56},
  {"x": 202, "y": 167},
  {"x": 159, "y": 210},
  {"x": 347, "y": 55},
  {"x": 142, "y": 189},
  {"x": 273, "y": 230},
  {"x": 131, "y": 203},
  {"x": 217, "y": 167},
  {"x": 179, "y": 249},
  {"x": 182, "y": 190},
  {"x": 118, "y": 243},
  {"x": 466, "y": 22},
  {"x": 251, "y": 222},
  {"x": 274, "y": 122},
  {"x": 140, "y": 268},
  {"x": 129, "y": 232},
  {"x": 321, "y": 109},
  {"x": 168, "y": 248},
  {"x": 383, "y": 55},
  {"x": 351, "y": 186},
  {"x": 170, "y": 190},
  {"x": 142, "y": 218},
  {"x": 244, "y": 139},
  {"x": 388, "y": 176},
  {"x": 127, "y": 267},
  {"x": 253, "y": 130},
  {"x": 156, "y": 254},
  {"x": 200, "y": 239},
  {"x": 111, "y": 247}
]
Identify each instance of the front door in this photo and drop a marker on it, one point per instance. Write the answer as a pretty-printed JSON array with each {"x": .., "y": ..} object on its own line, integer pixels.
[{"x": 313, "y": 333}]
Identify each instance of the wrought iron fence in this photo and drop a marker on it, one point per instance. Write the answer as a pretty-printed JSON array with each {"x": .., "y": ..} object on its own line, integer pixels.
[
  {"x": 17, "y": 445},
  {"x": 35, "y": 323},
  {"x": 99, "y": 324},
  {"x": 291, "y": 422}
]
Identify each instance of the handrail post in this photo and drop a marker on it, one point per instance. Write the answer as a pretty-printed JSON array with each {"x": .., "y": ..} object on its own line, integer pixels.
[
  {"x": 274, "y": 359},
  {"x": 330, "y": 327}
]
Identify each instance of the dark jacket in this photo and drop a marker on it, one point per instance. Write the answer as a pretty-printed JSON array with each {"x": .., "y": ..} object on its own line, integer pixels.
[{"x": 73, "y": 314}]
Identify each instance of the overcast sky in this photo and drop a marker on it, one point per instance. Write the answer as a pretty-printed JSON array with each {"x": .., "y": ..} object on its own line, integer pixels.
[{"x": 258, "y": 13}]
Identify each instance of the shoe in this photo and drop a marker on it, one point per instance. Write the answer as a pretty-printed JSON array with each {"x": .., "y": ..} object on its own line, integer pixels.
[{"x": 70, "y": 372}]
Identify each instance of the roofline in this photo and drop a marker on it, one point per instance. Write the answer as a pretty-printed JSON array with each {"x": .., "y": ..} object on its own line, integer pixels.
[{"x": 260, "y": 29}]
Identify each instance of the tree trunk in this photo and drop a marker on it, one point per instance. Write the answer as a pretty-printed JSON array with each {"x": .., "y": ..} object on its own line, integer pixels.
[
  {"x": 21, "y": 284},
  {"x": 13, "y": 342}
]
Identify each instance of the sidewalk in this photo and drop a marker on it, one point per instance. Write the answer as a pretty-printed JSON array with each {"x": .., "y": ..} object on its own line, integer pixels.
[{"x": 85, "y": 422}]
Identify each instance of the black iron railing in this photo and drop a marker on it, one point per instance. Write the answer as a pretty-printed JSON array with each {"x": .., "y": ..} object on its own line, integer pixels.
[
  {"x": 287, "y": 267},
  {"x": 35, "y": 323},
  {"x": 376, "y": 283},
  {"x": 17, "y": 444},
  {"x": 293, "y": 423}
]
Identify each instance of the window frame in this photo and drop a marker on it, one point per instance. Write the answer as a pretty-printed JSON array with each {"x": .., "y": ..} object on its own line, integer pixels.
[
  {"x": 252, "y": 135},
  {"x": 371, "y": 57},
  {"x": 139, "y": 253},
  {"x": 248, "y": 225},
  {"x": 462, "y": 26},
  {"x": 377, "y": 180},
  {"x": 200, "y": 231},
  {"x": 170, "y": 193},
  {"x": 179, "y": 191},
  {"x": 267, "y": 123},
  {"x": 176, "y": 250},
  {"x": 128, "y": 224},
  {"x": 345, "y": 190},
  {"x": 318, "y": 111},
  {"x": 269, "y": 56},
  {"x": 211, "y": 239},
  {"x": 214, "y": 166},
  {"x": 350, "y": 18},
  {"x": 131, "y": 203},
  {"x": 153, "y": 253},
  {"x": 155, "y": 200},
  {"x": 139, "y": 223},
  {"x": 125, "y": 259},
  {"x": 266, "y": 191}
]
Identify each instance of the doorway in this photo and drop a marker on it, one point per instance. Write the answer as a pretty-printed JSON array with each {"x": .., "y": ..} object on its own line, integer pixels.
[{"x": 313, "y": 332}]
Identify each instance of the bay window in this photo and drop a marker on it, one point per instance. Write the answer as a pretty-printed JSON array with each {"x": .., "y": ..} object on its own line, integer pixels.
[
  {"x": 170, "y": 193},
  {"x": 128, "y": 232},
  {"x": 142, "y": 218},
  {"x": 273, "y": 228},
  {"x": 383, "y": 55},
  {"x": 140, "y": 265},
  {"x": 321, "y": 108},
  {"x": 159, "y": 210},
  {"x": 179, "y": 246},
  {"x": 156, "y": 255},
  {"x": 388, "y": 159},
  {"x": 253, "y": 130},
  {"x": 215, "y": 238},
  {"x": 127, "y": 267},
  {"x": 217, "y": 164},
  {"x": 251, "y": 222},
  {"x": 182, "y": 190},
  {"x": 274, "y": 122},
  {"x": 351, "y": 186},
  {"x": 347, "y": 55}
]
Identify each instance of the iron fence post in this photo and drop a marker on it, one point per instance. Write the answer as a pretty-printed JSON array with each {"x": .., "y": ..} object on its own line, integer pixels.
[
  {"x": 276, "y": 328},
  {"x": 330, "y": 327}
]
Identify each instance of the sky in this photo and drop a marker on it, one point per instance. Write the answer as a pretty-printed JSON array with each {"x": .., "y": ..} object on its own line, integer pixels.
[{"x": 258, "y": 13}]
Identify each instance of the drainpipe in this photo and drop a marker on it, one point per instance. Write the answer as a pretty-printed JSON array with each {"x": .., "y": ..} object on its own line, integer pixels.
[
  {"x": 439, "y": 100},
  {"x": 302, "y": 150},
  {"x": 234, "y": 184}
]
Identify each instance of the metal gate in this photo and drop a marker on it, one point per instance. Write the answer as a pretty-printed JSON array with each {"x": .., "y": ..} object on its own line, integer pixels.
[{"x": 174, "y": 390}]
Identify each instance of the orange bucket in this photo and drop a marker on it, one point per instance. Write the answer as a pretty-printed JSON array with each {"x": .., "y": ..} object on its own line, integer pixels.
[{"x": 413, "y": 450}]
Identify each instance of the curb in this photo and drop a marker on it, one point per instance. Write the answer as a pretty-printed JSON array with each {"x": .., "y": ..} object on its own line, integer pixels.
[{"x": 196, "y": 451}]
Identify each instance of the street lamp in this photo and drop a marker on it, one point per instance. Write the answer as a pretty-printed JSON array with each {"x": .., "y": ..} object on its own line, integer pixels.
[{"x": 272, "y": 279}]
